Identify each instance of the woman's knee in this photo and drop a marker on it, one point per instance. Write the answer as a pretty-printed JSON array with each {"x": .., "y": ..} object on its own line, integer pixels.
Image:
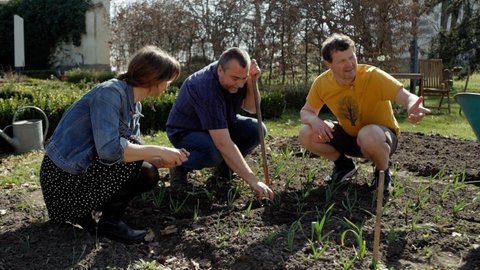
[{"x": 148, "y": 177}]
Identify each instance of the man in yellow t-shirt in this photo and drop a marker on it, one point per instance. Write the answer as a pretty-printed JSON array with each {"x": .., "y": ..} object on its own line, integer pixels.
[{"x": 360, "y": 97}]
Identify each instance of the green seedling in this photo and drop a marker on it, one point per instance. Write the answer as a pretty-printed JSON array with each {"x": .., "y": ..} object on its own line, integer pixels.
[
  {"x": 232, "y": 195},
  {"x": 177, "y": 205},
  {"x": 439, "y": 216},
  {"x": 407, "y": 210},
  {"x": 459, "y": 182},
  {"x": 392, "y": 235},
  {"x": 222, "y": 237},
  {"x": 310, "y": 175},
  {"x": 318, "y": 226},
  {"x": 397, "y": 190},
  {"x": 291, "y": 234},
  {"x": 300, "y": 203},
  {"x": 196, "y": 211},
  {"x": 291, "y": 175},
  {"x": 76, "y": 259},
  {"x": 413, "y": 222},
  {"x": 248, "y": 211},
  {"x": 441, "y": 174},
  {"x": 24, "y": 239},
  {"x": 421, "y": 189},
  {"x": 152, "y": 265},
  {"x": 428, "y": 252},
  {"x": 330, "y": 191},
  {"x": 277, "y": 200},
  {"x": 458, "y": 206},
  {"x": 271, "y": 235},
  {"x": 218, "y": 223},
  {"x": 242, "y": 229},
  {"x": 346, "y": 262},
  {"x": 157, "y": 200},
  {"x": 421, "y": 202},
  {"x": 209, "y": 194},
  {"x": 358, "y": 235},
  {"x": 280, "y": 166},
  {"x": 444, "y": 194},
  {"x": 317, "y": 249},
  {"x": 349, "y": 203}
]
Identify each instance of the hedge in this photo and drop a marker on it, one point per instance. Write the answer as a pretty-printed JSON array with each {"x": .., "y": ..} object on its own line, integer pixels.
[{"x": 54, "y": 97}]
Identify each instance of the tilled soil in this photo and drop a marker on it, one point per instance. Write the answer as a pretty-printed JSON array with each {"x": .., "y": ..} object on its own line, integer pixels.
[{"x": 428, "y": 222}]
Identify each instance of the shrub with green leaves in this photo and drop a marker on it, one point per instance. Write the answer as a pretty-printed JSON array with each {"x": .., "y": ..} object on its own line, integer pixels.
[
  {"x": 295, "y": 97},
  {"x": 78, "y": 75},
  {"x": 54, "y": 97},
  {"x": 273, "y": 104}
]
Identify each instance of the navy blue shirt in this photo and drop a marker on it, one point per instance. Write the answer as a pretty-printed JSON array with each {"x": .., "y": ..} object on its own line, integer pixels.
[{"x": 202, "y": 104}]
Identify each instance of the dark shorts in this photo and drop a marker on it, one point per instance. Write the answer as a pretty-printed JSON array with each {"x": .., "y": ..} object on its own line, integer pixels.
[{"x": 346, "y": 144}]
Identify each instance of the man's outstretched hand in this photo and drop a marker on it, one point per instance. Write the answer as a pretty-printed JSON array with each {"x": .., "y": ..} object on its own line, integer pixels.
[{"x": 417, "y": 111}]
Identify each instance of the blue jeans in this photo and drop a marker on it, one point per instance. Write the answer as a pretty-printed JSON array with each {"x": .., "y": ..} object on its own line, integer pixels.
[{"x": 204, "y": 154}]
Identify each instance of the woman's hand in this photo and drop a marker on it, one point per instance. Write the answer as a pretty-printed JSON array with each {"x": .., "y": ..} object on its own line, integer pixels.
[{"x": 171, "y": 157}]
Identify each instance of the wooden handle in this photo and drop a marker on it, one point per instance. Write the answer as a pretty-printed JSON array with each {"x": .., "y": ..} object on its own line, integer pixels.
[
  {"x": 378, "y": 216},
  {"x": 260, "y": 133}
]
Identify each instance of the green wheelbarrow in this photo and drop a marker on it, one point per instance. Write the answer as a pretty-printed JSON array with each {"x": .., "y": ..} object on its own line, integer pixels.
[{"x": 470, "y": 104}]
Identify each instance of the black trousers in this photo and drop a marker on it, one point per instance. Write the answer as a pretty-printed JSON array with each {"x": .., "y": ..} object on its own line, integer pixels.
[{"x": 144, "y": 181}]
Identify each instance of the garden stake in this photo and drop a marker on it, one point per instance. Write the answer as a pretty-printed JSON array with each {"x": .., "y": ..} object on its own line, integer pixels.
[
  {"x": 378, "y": 217},
  {"x": 260, "y": 132}
]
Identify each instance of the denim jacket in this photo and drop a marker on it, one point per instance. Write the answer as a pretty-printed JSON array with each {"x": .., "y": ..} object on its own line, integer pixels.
[{"x": 98, "y": 124}]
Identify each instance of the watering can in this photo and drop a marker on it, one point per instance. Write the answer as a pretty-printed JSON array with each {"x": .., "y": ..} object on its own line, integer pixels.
[
  {"x": 27, "y": 134},
  {"x": 470, "y": 104}
]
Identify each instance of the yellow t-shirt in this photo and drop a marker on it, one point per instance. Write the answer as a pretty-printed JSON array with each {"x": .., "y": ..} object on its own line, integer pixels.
[{"x": 365, "y": 101}]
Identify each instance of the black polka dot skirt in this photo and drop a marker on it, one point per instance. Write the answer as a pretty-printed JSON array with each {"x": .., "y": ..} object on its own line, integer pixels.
[{"x": 69, "y": 197}]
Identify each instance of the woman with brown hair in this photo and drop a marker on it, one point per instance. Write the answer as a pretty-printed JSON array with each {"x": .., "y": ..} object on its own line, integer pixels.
[{"x": 94, "y": 161}]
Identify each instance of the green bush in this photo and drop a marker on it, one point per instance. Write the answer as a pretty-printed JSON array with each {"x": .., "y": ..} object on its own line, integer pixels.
[
  {"x": 295, "y": 97},
  {"x": 155, "y": 111},
  {"x": 55, "y": 97},
  {"x": 78, "y": 75},
  {"x": 40, "y": 74},
  {"x": 273, "y": 104}
]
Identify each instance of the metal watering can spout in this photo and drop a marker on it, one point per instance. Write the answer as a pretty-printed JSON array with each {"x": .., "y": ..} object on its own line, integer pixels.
[
  {"x": 27, "y": 134},
  {"x": 7, "y": 138}
]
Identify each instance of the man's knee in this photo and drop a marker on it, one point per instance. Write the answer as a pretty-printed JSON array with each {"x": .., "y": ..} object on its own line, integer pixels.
[
  {"x": 206, "y": 155},
  {"x": 372, "y": 138},
  {"x": 304, "y": 136},
  {"x": 370, "y": 135}
]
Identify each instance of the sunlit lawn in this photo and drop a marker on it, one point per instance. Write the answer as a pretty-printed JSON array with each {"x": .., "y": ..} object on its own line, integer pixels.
[{"x": 439, "y": 122}]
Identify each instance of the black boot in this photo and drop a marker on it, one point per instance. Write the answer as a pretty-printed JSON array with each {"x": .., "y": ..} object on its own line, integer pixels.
[
  {"x": 111, "y": 225},
  {"x": 117, "y": 230}
]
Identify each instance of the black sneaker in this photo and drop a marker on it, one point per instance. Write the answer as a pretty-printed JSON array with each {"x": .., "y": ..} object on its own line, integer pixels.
[
  {"x": 342, "y": 172},
  {"x": 223, "y": 172},
  {"x": 387, "y": 183},
  {"x": 178, "y": 179}
]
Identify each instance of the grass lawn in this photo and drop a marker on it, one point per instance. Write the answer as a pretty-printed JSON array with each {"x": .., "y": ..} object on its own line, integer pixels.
[{"x": 439, "y": 122}]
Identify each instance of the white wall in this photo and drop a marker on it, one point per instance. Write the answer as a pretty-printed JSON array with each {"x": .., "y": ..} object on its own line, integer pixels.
[{"x": 94, "y": 50}]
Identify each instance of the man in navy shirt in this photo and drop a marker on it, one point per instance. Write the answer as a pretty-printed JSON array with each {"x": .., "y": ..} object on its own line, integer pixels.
[{"x": 205, "y": 121}]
